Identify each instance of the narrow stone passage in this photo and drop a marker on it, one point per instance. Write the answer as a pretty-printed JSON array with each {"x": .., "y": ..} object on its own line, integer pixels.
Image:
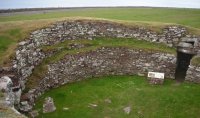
[
  {"x": 185, "y": 52},
  {"x": 183, "y": 61}
]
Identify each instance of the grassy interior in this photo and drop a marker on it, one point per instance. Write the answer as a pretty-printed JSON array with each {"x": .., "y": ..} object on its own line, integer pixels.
[
  {"x": 116, "y": 42},
  {"x": 146, "y": 101},
  {"x": 40, "y": 70}
]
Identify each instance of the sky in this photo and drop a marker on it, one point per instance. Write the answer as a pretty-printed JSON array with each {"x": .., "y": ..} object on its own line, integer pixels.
[{"x": 10, "y": 4}]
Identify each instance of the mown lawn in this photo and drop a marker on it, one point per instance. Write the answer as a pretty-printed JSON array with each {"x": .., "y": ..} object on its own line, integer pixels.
[{"x": 146, "y": 101}]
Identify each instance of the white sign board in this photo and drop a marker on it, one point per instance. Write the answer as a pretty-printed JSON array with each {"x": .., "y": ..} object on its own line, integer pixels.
[{"x": 156, "y": 75}]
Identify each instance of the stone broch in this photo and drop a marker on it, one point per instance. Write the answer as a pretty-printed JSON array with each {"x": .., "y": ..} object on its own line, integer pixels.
[{"x": 29, "y": 54}]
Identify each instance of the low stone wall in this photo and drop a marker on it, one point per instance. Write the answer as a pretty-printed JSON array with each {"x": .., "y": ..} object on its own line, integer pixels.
[
  {"x": 102, "y": 62},
  {"x": 107, "y": 61},
  {"x": 193, "y": 74},
  {"x": 29, "y": 53}
]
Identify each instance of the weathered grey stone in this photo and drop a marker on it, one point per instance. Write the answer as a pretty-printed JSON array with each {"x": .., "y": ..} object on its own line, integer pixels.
[
  {"x": 108, "y": 101},
  {"x": 48, "y": 105},
  {"x": 65, "y": 108},
  {"x": 5, "y": 84},
  {"x": 92, "y": 105},
  {"x": 127, "y": 110},
  {"x": 22, "y": 43},
  {"x": 33, "y": 113},
  {"x": 185, "y": 45},
  {"x": 25, "y": 106},
  {"x": 155, "y": 81},
  {"x": 193, "y": 74},
  {"x": 29, "y": 53}
]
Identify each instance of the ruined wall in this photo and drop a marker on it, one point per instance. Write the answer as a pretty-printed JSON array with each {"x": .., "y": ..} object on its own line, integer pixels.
[
  {"x": 104, "y": 61},
  {"x": 107, "y": 61},
  {"x": 193, "y": 74},
  {"x": 29, "y": 53}
]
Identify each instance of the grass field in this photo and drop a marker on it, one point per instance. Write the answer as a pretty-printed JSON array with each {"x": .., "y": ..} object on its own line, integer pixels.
[
  {"x": 188, "y": 17},
  {"x": 146, "y": 101},
  {"x": 16, "y": 27}
]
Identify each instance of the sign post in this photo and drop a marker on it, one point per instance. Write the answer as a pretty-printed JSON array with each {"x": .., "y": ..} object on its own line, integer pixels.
[{"x": 156, "y": 77}]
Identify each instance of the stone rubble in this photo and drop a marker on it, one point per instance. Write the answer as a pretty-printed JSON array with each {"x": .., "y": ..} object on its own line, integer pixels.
[
  {"x": 193, "y": 74},
  {"x": 155, "y": 81},
  {"x": 5, "y": 84},
  {"x": 48, "y": 105},
  {"x": 25, "y": 106},
  {"x": 108, "y": 101},
  {"x": 65, "y": 109},
  {"x": 127, "y": 110},
  {"x": 33, "y": 113},
  {"x": 91, "y": 105},
  {"x": 11, "y": 97}
]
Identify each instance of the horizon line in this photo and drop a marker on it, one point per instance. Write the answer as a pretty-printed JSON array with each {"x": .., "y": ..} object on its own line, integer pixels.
[{"x": 49, "y": 8}]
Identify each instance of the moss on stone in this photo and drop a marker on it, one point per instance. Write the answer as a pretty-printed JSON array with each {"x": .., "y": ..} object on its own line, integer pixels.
[
  {"x": 196, "y": 61},
  {"x": 1, "y": 94}
]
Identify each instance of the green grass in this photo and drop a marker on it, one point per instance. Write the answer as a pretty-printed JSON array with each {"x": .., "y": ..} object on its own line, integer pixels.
[
  {"x": 4, "y": 43},
  {"x": 41, "y": 69},
  {"x": 189, "y": 17},
  {"x": 8, "y": 40},
  {"x": 8, "y": 37},
  {"x": 14, "y": 32},
  {"x": 146, "y": 101},
  {"x": 116, "y": 42}
]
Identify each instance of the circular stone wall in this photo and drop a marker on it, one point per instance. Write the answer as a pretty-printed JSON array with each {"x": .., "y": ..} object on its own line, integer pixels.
[{"x": 103, "y": 61}]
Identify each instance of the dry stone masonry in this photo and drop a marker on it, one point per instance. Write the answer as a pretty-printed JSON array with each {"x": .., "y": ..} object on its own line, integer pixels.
[
  {"x": 193, "y": 74},
  {"x": 106, "y": 61},
  {"x": 29, "y": 53},
  {"x": 103, "y": 61}
]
